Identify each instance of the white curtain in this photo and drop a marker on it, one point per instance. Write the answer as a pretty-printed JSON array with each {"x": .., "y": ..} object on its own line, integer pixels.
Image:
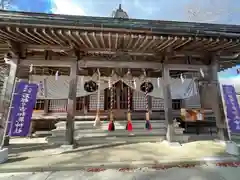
[
  {"x": 179, "y": 89},
  {"x": 58, "y": 89}
]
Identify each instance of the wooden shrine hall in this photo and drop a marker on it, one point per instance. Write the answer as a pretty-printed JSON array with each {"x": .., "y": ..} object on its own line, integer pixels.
[{"x": 109, "y": 66}]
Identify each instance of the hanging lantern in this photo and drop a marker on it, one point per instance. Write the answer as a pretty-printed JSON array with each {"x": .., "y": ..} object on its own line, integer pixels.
[
  {"x": 149, "y": 87},
  {"x": 90, "y": 86}
]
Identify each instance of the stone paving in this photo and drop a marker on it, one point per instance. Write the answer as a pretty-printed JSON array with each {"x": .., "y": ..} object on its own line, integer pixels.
[
  {"x": 197, "y": 173},
  {"x": 25, "y": 155}
]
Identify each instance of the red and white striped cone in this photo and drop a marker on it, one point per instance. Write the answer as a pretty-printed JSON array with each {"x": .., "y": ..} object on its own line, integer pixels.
[
  {"x": 129, "y": 119},
  {"x": 111, "y": 126}
]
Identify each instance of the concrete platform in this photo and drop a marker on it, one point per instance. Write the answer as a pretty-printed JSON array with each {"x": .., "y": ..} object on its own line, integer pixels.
[
  {"x": 25, "y": 158},
  {"x": 3, "y": 155}
]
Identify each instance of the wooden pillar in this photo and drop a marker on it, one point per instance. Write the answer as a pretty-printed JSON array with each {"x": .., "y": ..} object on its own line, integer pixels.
[
  {"x": 71, "y": 106},
  {"x": 217, "y": 104},
  {"x": 118, "y": 94},
  {"x": 46, "y": 106},
  {"x": 46, "y": 101},
  {"x": 85, "y": 105},
  {"x": 8, "y": 97},
  {"x": 168, "y": 103}
]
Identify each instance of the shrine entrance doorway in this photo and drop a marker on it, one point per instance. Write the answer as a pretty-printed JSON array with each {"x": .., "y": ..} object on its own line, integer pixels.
[{"x": 120, "y": 99}]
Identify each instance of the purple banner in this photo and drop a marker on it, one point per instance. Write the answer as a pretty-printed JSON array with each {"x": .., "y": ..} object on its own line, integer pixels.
[
  {"x": 232, "y": 108},
  {"x": 23, "y": 103}
]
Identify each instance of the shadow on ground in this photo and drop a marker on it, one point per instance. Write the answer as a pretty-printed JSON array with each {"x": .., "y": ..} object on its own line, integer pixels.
[
  {"x": 28, "y": 155},
  {"x": 16, "y": 159},
  {"x": 154, "y": 152},
  {"x": 28, "y": 147}
]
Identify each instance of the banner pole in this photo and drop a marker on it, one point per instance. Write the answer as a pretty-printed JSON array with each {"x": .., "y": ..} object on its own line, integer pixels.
[
  {"x": 225, "y": 110},
  {"x": 9, "y": 113}
]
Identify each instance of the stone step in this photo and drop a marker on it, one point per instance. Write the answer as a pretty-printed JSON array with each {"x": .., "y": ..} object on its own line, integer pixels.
[
  {"x": 118, "y": 124},
  {"x": 104, "y": 140},
  {"x": 201, "y": 130},
  {"x": 42, "y": 133},
  {"x": 117, "y": 132}
]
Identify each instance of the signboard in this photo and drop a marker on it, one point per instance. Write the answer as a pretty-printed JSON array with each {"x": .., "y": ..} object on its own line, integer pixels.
[
  {"x": 23, "y": 103},
  {"x": 192, "y": 114},
  {"x": 232, "y": 108}
]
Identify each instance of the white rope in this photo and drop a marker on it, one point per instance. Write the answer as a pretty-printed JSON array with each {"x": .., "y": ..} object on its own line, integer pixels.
[
  {"x": 31, "y": 68},
  {"x": 97, "y": 119},
  {"x": 99, "y": 91},
  {"x": 202, "y": 73}
]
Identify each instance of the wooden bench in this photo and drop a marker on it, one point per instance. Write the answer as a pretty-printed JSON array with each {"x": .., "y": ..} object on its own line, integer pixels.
[{"x": 198, "y": 125}]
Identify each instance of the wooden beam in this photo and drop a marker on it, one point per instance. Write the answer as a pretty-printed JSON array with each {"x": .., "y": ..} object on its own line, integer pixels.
[
  {"x": 187, "y": 67},
  {"x": 93, "y": 63},
  {"x": 58, "y": 48},
  {"x": 41, "y": 48},
  {"x": 120, "y": 64},
  {"x": 112, "y": 64},
  {"x": 113, "y": 52},
  {"x": 47, "y": 63},
  {"x": 17, "y": 49}
]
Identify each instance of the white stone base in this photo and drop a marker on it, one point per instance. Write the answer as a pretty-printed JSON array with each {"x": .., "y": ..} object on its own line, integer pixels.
[
  {"x": 67, "y": 147},
  {"x": 3, "y": 155},
  {"x": 221, "y": 142},
  {"x": 172, "y": 144},
  {"x": 232, "y": 148}
]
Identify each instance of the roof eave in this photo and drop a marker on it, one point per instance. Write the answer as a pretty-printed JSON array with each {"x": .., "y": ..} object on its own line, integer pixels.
[{"x": 106, "y": 23}]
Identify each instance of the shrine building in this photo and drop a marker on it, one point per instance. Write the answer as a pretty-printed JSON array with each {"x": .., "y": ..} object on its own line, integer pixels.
[{"x": 92, "y": 66}]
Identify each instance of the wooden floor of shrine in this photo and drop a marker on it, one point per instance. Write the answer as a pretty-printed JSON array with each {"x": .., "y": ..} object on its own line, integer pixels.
[{"x": 47, "y": 122}]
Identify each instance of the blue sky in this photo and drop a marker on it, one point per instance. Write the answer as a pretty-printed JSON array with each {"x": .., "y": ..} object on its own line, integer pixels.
[{"x": 211, "y": 11}]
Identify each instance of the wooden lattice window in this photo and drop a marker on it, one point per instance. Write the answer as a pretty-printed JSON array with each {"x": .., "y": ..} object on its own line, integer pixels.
[
  {"x": 58, "y": 105},
  {"x": 176, "y": 104},
  {"x": 107, "y": 98},
  {"x": 139, "y": 102},
  {"x": 93, "y": 101},
  {"x": 157, "y": 104},
  {"x": 39, "y": 104},
  {"x": 124, "y": 97},
  {"x": 79, "y": 103}
]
